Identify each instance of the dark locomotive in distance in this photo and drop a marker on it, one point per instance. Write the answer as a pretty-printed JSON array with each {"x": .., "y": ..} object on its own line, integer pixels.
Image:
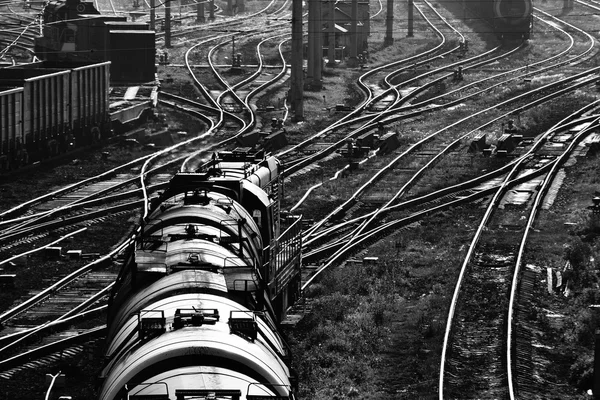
[
  {"x": 512, "y": 19},
  {"x": 196, "y": 307},
  {"x": 509, "y": 19}
]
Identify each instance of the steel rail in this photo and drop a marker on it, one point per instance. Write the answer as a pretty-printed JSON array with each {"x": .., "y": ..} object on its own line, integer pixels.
[
  {"x": 469, "y": 254},
  {"x": 549, "y": 179},
  {"x": 418, "y": 215},
  {"x": 349, "y": 118},
  {"x": 301, "y": 163},
  {"x": 51, "y": 347},
  {"x": 15, "y": 257},
  {"x": 430, "y": 197},
  {"x": 340, "y": 253},
  {"x": 60, "y": 284},
  {"x": 398, "y": 223},
  {"x": 344, "y": 206}
]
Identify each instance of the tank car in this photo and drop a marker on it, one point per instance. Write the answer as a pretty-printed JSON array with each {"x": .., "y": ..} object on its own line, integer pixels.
[{"x": 195, "y": 310}]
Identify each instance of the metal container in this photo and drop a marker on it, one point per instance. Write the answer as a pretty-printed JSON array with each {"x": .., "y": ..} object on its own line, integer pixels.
[
  {"x": 89, "y": 95},
  {"x": 45, "y": 100}
]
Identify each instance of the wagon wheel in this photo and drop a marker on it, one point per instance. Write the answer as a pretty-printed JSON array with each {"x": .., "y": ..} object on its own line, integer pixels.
[
  {"x": 67, "y": 143},
  {"x": 52, "y": 147},
  {"x": 21, "y": 158},
  {"x": 4, "y": 163},
  {"x": 95, "y": 134}
]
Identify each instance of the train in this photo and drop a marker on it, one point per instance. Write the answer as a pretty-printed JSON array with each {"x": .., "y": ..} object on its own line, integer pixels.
[
  {"x": 510, "y": 19},
  {"x": 95, "y": 75},
  {"x": 48, "y": 109},
  {"x": 196, "y": 308},
  {"x": 75, "y": 31}
]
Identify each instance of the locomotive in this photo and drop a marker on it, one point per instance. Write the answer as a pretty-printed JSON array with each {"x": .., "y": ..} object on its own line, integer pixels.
[
  {"x": 195, "y": 310},
  {"x": 510, "y": 19},
  {"x": 75, "y": 31}
]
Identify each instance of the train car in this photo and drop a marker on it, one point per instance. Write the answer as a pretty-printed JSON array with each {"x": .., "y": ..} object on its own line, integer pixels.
[
  {"x": 74, "y": 31},
  {"x": 12, "y": 150},
  {"x": 46, "y": 110},
  {"x": 194, "y": 312}
]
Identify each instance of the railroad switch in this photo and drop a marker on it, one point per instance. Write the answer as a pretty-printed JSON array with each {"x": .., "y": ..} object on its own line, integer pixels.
[{"x": 58, "y": 382}]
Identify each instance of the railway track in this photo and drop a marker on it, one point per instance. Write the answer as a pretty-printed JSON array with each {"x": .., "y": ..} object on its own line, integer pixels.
[
  {"x": 46, "y": 321},
  {"x": 477, "y": 357},
  {"x": 401, "y": 110},
  {"x": 371, "y": 199},
  {"x": 431, "y": 157}
]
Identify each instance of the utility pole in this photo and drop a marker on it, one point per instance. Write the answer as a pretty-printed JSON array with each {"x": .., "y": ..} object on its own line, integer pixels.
[
  {"x": 318, "y": 56},
  {"x": 352, "y": 59},
  {"x": 331, "y": 38},
  {"x": 199, "y": 11},
  {"x": 297, "y": 75},
  {"x": 167, "y": 25},
  {"x": 310, "y": 65},
  {"x": 389, "y": 24},
  {"x": 410, "y": 18},
  {"x": 153, "y": 15}
]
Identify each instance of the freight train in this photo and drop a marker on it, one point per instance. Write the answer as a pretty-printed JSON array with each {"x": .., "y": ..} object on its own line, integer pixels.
[
  {"x": 46, "y": 110},
  {"x": 195, "y": 310},
  {"x": 71, "y": 98},
  {"x": 51, "y": 108}
]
